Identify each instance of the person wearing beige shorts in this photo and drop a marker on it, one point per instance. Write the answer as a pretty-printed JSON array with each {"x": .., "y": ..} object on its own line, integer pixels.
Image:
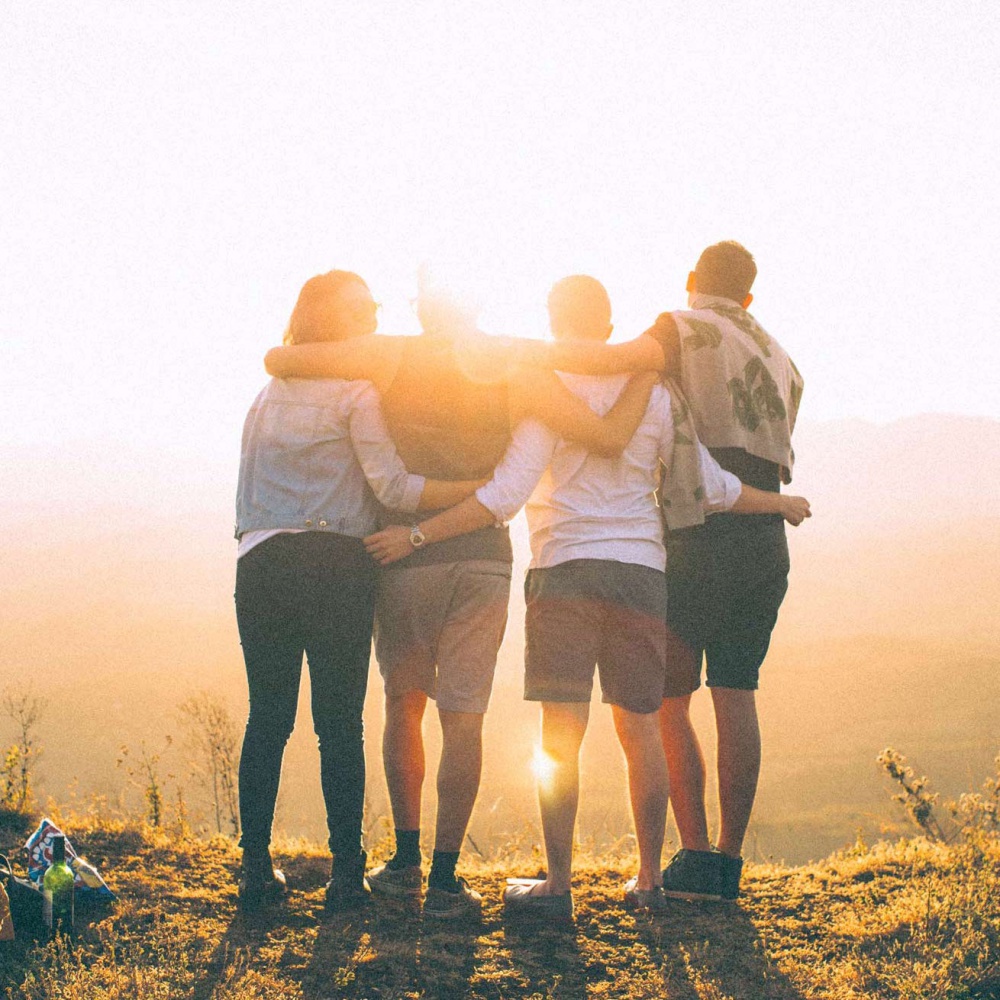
[{"x": 439, "y": 630}]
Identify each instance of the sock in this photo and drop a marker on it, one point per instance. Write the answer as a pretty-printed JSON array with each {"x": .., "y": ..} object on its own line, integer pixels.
[
  {"x": 407, "y": 849},
  {"x": 442, "y": 874}
]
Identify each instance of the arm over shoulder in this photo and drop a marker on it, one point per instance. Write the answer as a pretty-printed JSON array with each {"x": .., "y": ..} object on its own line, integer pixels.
[
  {"x": 541, "y": 394},
  {"x": 517, "y": 473},
  {"x": 383, "y": 468},
  {"x": 374, "y": 358},
  {"x": 582, "y": 358},
  {"x": 664, "y": 331}
]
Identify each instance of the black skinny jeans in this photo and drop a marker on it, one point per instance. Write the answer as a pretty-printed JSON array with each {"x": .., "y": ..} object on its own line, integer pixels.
[{"x": 311, "y": 593}]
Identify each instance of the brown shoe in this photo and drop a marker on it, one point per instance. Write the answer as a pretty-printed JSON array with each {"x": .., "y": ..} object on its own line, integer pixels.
[
  {"x": 397, "y": 883},
  {"x": 444, "y": 905}
]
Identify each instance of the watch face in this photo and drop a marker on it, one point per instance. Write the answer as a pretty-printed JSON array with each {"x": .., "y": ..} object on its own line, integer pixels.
[{"x": 416, "y": 537}]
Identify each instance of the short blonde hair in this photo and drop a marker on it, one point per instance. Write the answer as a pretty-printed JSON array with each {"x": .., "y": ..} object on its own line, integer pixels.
[{"x": 580, "y": 305}]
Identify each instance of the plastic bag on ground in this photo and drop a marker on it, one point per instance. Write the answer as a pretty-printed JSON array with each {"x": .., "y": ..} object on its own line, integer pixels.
[{"x": 86, "y": 879}]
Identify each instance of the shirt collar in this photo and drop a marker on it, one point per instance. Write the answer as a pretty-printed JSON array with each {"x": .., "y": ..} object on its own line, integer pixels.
[{"x": 697, "y": 300}]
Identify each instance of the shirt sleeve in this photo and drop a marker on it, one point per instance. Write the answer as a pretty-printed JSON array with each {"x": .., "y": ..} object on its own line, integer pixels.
[
  {"x": 380, "y": 462},
  {"x": 517, "y": 473},
  {"x": 664, "y": 331},
  {"x": 722, "y": 488},
  {"x": 660, "y": 400}
]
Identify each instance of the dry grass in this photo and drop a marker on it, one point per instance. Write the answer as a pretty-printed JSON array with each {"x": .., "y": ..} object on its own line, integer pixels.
[{"x": 908, "y": 920}]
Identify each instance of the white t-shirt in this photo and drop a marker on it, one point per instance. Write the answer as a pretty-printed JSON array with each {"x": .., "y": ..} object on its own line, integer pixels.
[{"x": 583, "y": 506}]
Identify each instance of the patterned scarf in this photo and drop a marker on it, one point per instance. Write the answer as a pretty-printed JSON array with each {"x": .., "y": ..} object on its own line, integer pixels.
[
  {"x": 739, "y": 389},
  {"x": 743, "y": 388},
  {"x": 682, "y": 488}
]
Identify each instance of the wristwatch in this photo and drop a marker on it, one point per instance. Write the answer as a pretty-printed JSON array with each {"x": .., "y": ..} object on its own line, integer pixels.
[{"x": 417, "y": 537}]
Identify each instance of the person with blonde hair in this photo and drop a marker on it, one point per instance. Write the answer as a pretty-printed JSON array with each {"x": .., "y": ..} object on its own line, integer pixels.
[{"x": 316, "y": 460}]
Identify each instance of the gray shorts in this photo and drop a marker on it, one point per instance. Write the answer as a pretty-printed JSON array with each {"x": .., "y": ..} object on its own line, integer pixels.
[
  {"x": 438, "y": 629},
  {"x": 597, "y": 612}
]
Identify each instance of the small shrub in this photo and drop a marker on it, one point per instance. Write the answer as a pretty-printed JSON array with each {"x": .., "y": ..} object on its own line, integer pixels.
[
  {"x": 975, "y": 816},
  {"x": 214, "y": 736},
  {"x": 144, "y": 773},
  {"x": 17, "y": 769},
  {"x": 978, "y": 813}
]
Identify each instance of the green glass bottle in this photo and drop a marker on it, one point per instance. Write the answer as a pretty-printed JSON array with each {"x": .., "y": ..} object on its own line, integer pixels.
[{"x": 57, "y": 888}]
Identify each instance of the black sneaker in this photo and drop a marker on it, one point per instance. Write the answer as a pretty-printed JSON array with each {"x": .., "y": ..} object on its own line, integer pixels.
[
  {"x": 341, "y": 897},
  {"x": 693, "y": 875},
  {"x": 260, "y": 882},
  {"x": 348, "y": 888},
  {"x": 729, "y": 880}
]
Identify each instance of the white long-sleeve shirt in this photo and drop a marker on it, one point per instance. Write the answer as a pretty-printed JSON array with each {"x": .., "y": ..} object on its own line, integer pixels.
[{"x": 583, "y": 506}]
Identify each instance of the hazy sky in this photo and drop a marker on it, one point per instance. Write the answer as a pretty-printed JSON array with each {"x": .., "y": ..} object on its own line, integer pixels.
[{"x": 170, "y": 173}]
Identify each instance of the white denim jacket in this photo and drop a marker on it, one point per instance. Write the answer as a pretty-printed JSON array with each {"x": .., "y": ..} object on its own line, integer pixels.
[{"x": 316, "y": 454}]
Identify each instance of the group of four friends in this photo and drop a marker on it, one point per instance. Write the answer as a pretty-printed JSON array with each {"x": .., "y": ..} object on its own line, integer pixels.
[{"x": 650, "y": 471}]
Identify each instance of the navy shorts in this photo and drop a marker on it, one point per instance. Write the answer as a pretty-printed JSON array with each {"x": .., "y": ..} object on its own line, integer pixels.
[{"x": 726, "y": 580}]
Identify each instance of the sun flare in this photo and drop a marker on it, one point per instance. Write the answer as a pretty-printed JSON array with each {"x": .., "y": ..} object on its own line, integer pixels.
[{"x": 543, "y": 767}]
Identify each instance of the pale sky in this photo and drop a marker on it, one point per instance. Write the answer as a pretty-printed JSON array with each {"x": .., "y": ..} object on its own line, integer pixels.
[{"x": 171, "y": 173}]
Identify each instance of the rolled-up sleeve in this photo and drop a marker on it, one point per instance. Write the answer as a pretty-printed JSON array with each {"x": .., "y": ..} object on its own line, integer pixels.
[
  {"x": 722, "y": 488},
  {"x": 383, "y": 468},
  {"x": 517, "y": 474}
]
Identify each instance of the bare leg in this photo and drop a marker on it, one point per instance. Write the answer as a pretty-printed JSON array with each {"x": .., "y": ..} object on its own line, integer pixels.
[
  {"x": 403, "y": 756},
  {"x": 563, "y": 726},
  {"x": 739, "y": 763},
  {"x": 686, "y": 767},
  {"x": 639, "y": 736},
  {"x": 458, "y": 776}
]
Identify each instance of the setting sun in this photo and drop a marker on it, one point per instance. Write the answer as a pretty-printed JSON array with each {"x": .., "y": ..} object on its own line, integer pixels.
[{"x": 543, "y": 767}]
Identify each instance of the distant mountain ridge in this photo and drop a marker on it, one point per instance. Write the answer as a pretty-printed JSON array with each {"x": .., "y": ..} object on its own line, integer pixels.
[
  {"x": 921, "y": 468},
  {"x": 917, "y": 469},
  {"x": 118, "y": 574}
]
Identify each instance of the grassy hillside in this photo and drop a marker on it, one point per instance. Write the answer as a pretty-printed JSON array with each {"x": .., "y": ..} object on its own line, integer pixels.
[
  {"x": 117, "y": 584},
  {"x": 907, "y": 920},
  {"x": 819, "y": 786}
]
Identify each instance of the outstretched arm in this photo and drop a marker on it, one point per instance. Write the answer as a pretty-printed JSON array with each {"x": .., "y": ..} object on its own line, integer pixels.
[
  {"x": 526, "y": 458},
  {"x": 374, "y": 358},
  {"x": 724, "y": 491},
  {"x": 753, "y": 501},
  {"x": 541, "y": 394},
  {"x": 438, "y": 493},
  {"x": 393, "y": 543},
  {"x": 644, "y": 353}
]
